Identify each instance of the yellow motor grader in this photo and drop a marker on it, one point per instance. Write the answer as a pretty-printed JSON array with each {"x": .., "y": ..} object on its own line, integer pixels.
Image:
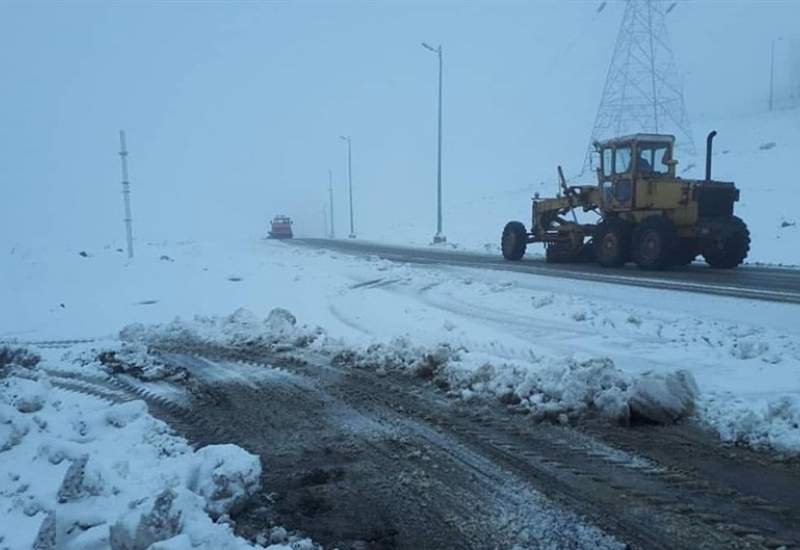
[{"x": 647, "y": 214}]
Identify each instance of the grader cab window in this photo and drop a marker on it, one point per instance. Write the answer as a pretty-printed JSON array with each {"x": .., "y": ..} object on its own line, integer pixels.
[
  {"x": 622, "y": 162},
  {"x": 607, "y": 162},
  {"x": 653, "y": 158}
]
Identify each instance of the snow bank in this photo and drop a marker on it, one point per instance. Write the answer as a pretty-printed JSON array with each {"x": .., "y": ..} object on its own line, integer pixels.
[
  {"x": 225, "y": 476},
  {"x": 133, "y": 358},
  {"x": 553, "y": 387},
  {"x": 401, "y": 354},
  {"x": 772, "y": 425},
  {"x": 278, "y": 331},
  {"x": 560, "y": 390},
  {"x": 556, "y": 391},
  {"x": 17, "y": 356},
  {"x": 547, "y": 389},
  {"x": 81, "y": 473},
  {"x": 663, "y": 398}
]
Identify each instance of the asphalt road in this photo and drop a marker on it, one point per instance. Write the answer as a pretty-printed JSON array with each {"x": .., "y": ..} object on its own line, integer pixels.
[{"x": 758, "y": 283}]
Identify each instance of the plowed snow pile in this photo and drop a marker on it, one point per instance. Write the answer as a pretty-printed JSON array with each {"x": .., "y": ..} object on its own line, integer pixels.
[
  {"x": 548, "y": 389},
  {"x": 81, "y": 473},
  {"x": 557, "y": 390},
  {"x": 278, "y": 331}
]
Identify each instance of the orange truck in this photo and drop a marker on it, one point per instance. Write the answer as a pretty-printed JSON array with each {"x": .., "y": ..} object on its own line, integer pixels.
[{"x": 281, "y": 228}]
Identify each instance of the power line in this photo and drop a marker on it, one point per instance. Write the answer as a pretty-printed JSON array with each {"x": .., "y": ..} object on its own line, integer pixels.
[{"x": 643, "y": 92}]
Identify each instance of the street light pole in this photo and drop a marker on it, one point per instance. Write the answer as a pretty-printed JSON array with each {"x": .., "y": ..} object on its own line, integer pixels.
[
  {"x": 126, "y": 193},
  {"x": 330, "y": 193},
  {"x": 439, "y": 237},
  {"x": 352, "y": 234},
  {"x": 772, "y": 72}
]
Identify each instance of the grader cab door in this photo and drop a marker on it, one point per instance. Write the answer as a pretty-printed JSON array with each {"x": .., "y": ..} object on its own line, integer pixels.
[{"x": 621, "y": 179}]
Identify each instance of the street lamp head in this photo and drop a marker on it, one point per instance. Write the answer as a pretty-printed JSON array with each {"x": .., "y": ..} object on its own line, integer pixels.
[
  {"x": 429, "y": 47},
  {"x": 344, "y": 138}
]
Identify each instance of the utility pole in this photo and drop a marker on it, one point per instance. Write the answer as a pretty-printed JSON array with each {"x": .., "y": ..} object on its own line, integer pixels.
[
  {"x": 126, "y": 193},
  {"x": 352, "y": 234},
  {"x": 330, "y": 193},
  {"x": 439, "y": 237}
]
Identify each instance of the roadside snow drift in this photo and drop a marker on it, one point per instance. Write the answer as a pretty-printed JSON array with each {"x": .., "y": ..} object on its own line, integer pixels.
[
  {"x": 548, "y": 389},
  {"x": 553, "y": 390},
  {"x": 559, "y": 390}
]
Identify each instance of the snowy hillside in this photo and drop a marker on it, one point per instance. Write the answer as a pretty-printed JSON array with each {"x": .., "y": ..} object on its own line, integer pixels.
[{"x": 757, "y": 152}]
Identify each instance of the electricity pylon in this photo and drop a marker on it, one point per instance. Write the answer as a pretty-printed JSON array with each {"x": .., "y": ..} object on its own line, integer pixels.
[{"x": 643, "y": 92}]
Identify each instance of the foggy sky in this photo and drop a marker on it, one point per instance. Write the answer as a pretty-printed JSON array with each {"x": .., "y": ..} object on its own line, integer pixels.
[{"x": 233, "y": 110}]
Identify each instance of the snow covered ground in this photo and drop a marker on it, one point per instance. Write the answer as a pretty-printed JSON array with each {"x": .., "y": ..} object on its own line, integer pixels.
[
  {"x": 82, "y": 472},
  {"x": 533, "y": 338}
]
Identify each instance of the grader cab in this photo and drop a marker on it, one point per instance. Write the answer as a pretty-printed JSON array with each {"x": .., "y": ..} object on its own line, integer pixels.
[{"x": 646, "y": 213}]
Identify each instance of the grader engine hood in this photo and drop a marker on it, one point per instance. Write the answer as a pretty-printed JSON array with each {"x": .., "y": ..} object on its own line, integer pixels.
[{"x": 714, "y": 198}]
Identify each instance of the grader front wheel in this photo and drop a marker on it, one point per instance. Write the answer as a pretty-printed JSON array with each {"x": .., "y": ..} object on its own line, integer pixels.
[{"x": 514, "y": 241}]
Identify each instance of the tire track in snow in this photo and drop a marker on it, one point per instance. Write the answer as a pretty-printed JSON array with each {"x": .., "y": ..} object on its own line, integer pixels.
[{"x": 566, "y": 464}]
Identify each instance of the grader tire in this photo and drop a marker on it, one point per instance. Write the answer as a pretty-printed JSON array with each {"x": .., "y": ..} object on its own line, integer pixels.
[
  {"x": 612, "y": 242},
  {"x": 514, "y": 241},
  {"x": 733, "y": 250},
  {"x": 654, "y": 243}
]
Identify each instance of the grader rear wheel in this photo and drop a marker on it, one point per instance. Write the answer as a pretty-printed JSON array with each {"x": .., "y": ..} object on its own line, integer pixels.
[
  {"x": 654, "y": 243},
  {"x": 731, "y": 250},
  {"x": 612, "y": 242}
]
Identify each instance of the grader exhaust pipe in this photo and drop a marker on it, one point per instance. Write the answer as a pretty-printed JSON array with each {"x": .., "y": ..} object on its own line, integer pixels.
[{"x": 709, "y": 145}]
